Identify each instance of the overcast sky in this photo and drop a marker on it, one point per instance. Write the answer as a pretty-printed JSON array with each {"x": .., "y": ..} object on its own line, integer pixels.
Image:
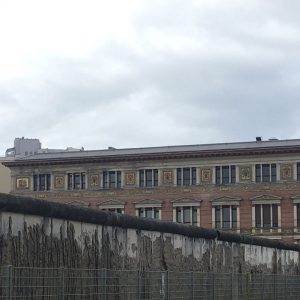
[{"x": 148, "y": 73}]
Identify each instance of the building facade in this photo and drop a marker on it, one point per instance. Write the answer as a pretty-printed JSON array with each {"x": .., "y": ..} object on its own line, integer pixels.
[{"x": 248, "y": 187}]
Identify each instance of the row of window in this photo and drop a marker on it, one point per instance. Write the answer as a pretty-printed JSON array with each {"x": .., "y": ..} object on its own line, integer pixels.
[
  {"x": 225, "y": 217},
  {"x": 149, "y": 177}
]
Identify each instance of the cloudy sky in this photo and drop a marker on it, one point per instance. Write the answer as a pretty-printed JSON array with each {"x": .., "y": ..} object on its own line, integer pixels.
[{"x": 135, "y": 73}]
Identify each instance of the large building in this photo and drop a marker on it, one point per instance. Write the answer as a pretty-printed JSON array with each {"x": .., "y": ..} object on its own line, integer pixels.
[{"x": 248, "y": 187}]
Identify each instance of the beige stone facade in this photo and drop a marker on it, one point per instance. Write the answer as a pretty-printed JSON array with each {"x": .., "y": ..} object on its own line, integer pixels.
[
  {"x": 250, "y": 187},
  {"x": 5, "y": 181}
]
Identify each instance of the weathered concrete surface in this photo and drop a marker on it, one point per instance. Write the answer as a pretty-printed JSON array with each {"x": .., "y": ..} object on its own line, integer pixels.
[{"x": 47, "y": 238}]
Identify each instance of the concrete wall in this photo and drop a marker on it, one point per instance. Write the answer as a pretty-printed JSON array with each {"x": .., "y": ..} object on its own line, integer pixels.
[{"x": 43, "y": 234}]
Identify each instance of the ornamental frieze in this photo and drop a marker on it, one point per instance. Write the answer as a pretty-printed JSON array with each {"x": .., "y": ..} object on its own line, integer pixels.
[
  {"x": 286, "y": 172},
  {"x": 167, "y": 177},
  {"x": 245, "y": 173}
]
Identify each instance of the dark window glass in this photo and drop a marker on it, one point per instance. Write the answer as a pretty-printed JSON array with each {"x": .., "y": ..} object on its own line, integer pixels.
[
  {"x": 186, "y": 215},
  {"x": 258, "y": 216},
  {"x": 234, "y": 216},
  {"x": 233, "y": 177},
  {"x": 141, "y": 212},
  {"x": 155, "y": 183},
  {"x": 194, "y": 215},
  {"x": 77, "y": 183},
  {"x": 186, "y": 176},
  {"x": 83, "y": 181},
  {"x": 298, "y": 214},
  {"x": 218, "y": 216},
  {"x": 265, "y": 173},
  {"x": 148, "y": 177},
  {"x": 156, "y": 213},
  {"x": 70, "y": 181},
  {"x": 42, "y": 179},
  {"x": 179, "y": 177},
  {"x": 257, "y": 173},
  {"x": 149, "y": 212},
  {"x": 193, "y": 176},
  {"x": 119, "y": 179},
  {"x": 142, "y": 178},
  {"x": 273, "y": 172},
  {"x": 35, "y": 182},
  {"x": 178, "y": 214},
  {"x": 226, "y": 216},
  {"x": 225, "y": 174},
  {"x": 112, "y": 179},
  {"x": 298, "y": 171},
  {"x": 275, "y": 215},
  {"x": 218, "y": 175},
  {"x": 48, "y": 182},
  {"x": 266, "y": 215}
]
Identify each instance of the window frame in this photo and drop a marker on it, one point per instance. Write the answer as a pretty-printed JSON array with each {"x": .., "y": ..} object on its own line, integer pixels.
[
  {"x": 220, "y": 174},
  {"x": 186, "y": 176},
  {"x": 112, "y": 179},
  {"x": 42, "y": 182},
  {"x": 148, "y": 178},
  {"x": 181, "y": 205},
  {"x": 73, "y": 184},
  {"x": 266, "y": 172}
]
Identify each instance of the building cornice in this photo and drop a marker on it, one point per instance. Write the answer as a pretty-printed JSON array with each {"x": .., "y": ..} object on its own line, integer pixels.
[{"x": 153, "y": 156}]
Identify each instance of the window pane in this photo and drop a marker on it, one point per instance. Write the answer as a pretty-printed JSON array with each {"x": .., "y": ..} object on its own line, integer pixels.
[
  {"x": 266, "y": 173},
  {"x": 194, "y": 176},
  {"x": 257, "y": 173},
  {"x": 298, "y": 215},
  {"x": 298, "y": 171},
  {"x": 149, "y": 212},
  {"x": 119, "y": 210},
  {"x": 186, "y": 215},
  {"x": 186, "y": 176},
  {"x": 258, "y": 216},
  {"x": 148, "y": 177},
  {"x": 226, "y": 216},
  {"x": 155, "y": 177},
  {"x": 234, "y": 216},
  {"x": 179, "y": 173},
  {"x": 105, "y": 180},
  {"x": 83, "y": 181},
  {"x": 275, "y": 215},
  {"x": 119, "y": 179},
  {"x": 142, "y": 178},
  {"x": 178, "y": 214},
  {"x": 266, "y": 215},
  {"x": 35, "y": 182},
  {"x": 218, "y": 175},
  {"x": 76, "y": 181},
  {"x": 225, "y": 174},
  {"x": 194, "y": 215},
  {"x": 218, "y": 217},
  {"x": 156, "y": 213},
  {"x": 232, "y": 174},
  {"x": 273, "y": 173},
  {"x": 70, "y": 181},
  {"x": 141, "y": 212},
  {"x": 112, "y": 179},
  {"x": 48, "y": 182},
  {"x": 42, "y": 179}
]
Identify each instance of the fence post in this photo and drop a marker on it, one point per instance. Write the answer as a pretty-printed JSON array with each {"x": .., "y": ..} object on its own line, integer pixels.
[
  {"x": 61, "y": 292},
  {"x": 7, "y": 282}
]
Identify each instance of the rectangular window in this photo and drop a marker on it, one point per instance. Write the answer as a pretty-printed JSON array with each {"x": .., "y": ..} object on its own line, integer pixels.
[
  {"x": 187, "y": 215},
  {"x": 113, "y": 209},
  {"x": 76, "y": 181},
  {"x": 41, "y": 182},
  {"x": 266, "y": 216},
  {"x": 112, "y": 179},
  {"x": 225, "y": 174},
  {"x": 226, "y": 217},
  {"x": 298, "y": 171},
  {"x": 148, "y": 177},
  {"x": 186, "y": 176},
  {"x": 298, "y": 215},
  {"x": 265, "y": 173},
  {"x": 149, "y": 212}
]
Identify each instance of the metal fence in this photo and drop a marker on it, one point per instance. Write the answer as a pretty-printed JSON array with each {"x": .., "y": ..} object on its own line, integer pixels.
[{"x": 102, "y": 284}]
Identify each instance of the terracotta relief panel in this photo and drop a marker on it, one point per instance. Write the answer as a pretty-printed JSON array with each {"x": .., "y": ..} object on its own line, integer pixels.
[
  {"x": 59, "y": 182},
  {"x": 168, "y": 177},
  {"x": 130, "y": 178},
  {"x": 95, "y": 180},
  {"x": 23, "y": 183},
  {"x": 245, "y": 173},
  {"x": 286, "y": 172},
  {"x": 206, "y": 175}
]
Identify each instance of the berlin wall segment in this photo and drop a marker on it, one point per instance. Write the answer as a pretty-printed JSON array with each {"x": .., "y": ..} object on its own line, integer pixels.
[{"x": 38, "y": 233}]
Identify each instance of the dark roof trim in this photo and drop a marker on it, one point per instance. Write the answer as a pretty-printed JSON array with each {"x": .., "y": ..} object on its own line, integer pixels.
[
  {"x": 153, "y": 156},
  {"x": 25, "y": 205}
]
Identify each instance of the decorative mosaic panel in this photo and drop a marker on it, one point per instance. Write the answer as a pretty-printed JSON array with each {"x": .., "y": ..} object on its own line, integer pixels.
[
  {"x": 59, "y": 182},
  {"x": 130, "y": 178},
  {"x": 95, "y": 180},
  {"x": 206, "y": 175},
  {"x": 167, "y": 177},
  {"x": 286, "y": 172},
  {"x": 245, "y": 173},
  {"x": 23, "y": 183}
]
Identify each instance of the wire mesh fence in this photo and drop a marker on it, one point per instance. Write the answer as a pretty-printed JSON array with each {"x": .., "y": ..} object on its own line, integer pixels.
[{"x": 102, "y": 284}]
